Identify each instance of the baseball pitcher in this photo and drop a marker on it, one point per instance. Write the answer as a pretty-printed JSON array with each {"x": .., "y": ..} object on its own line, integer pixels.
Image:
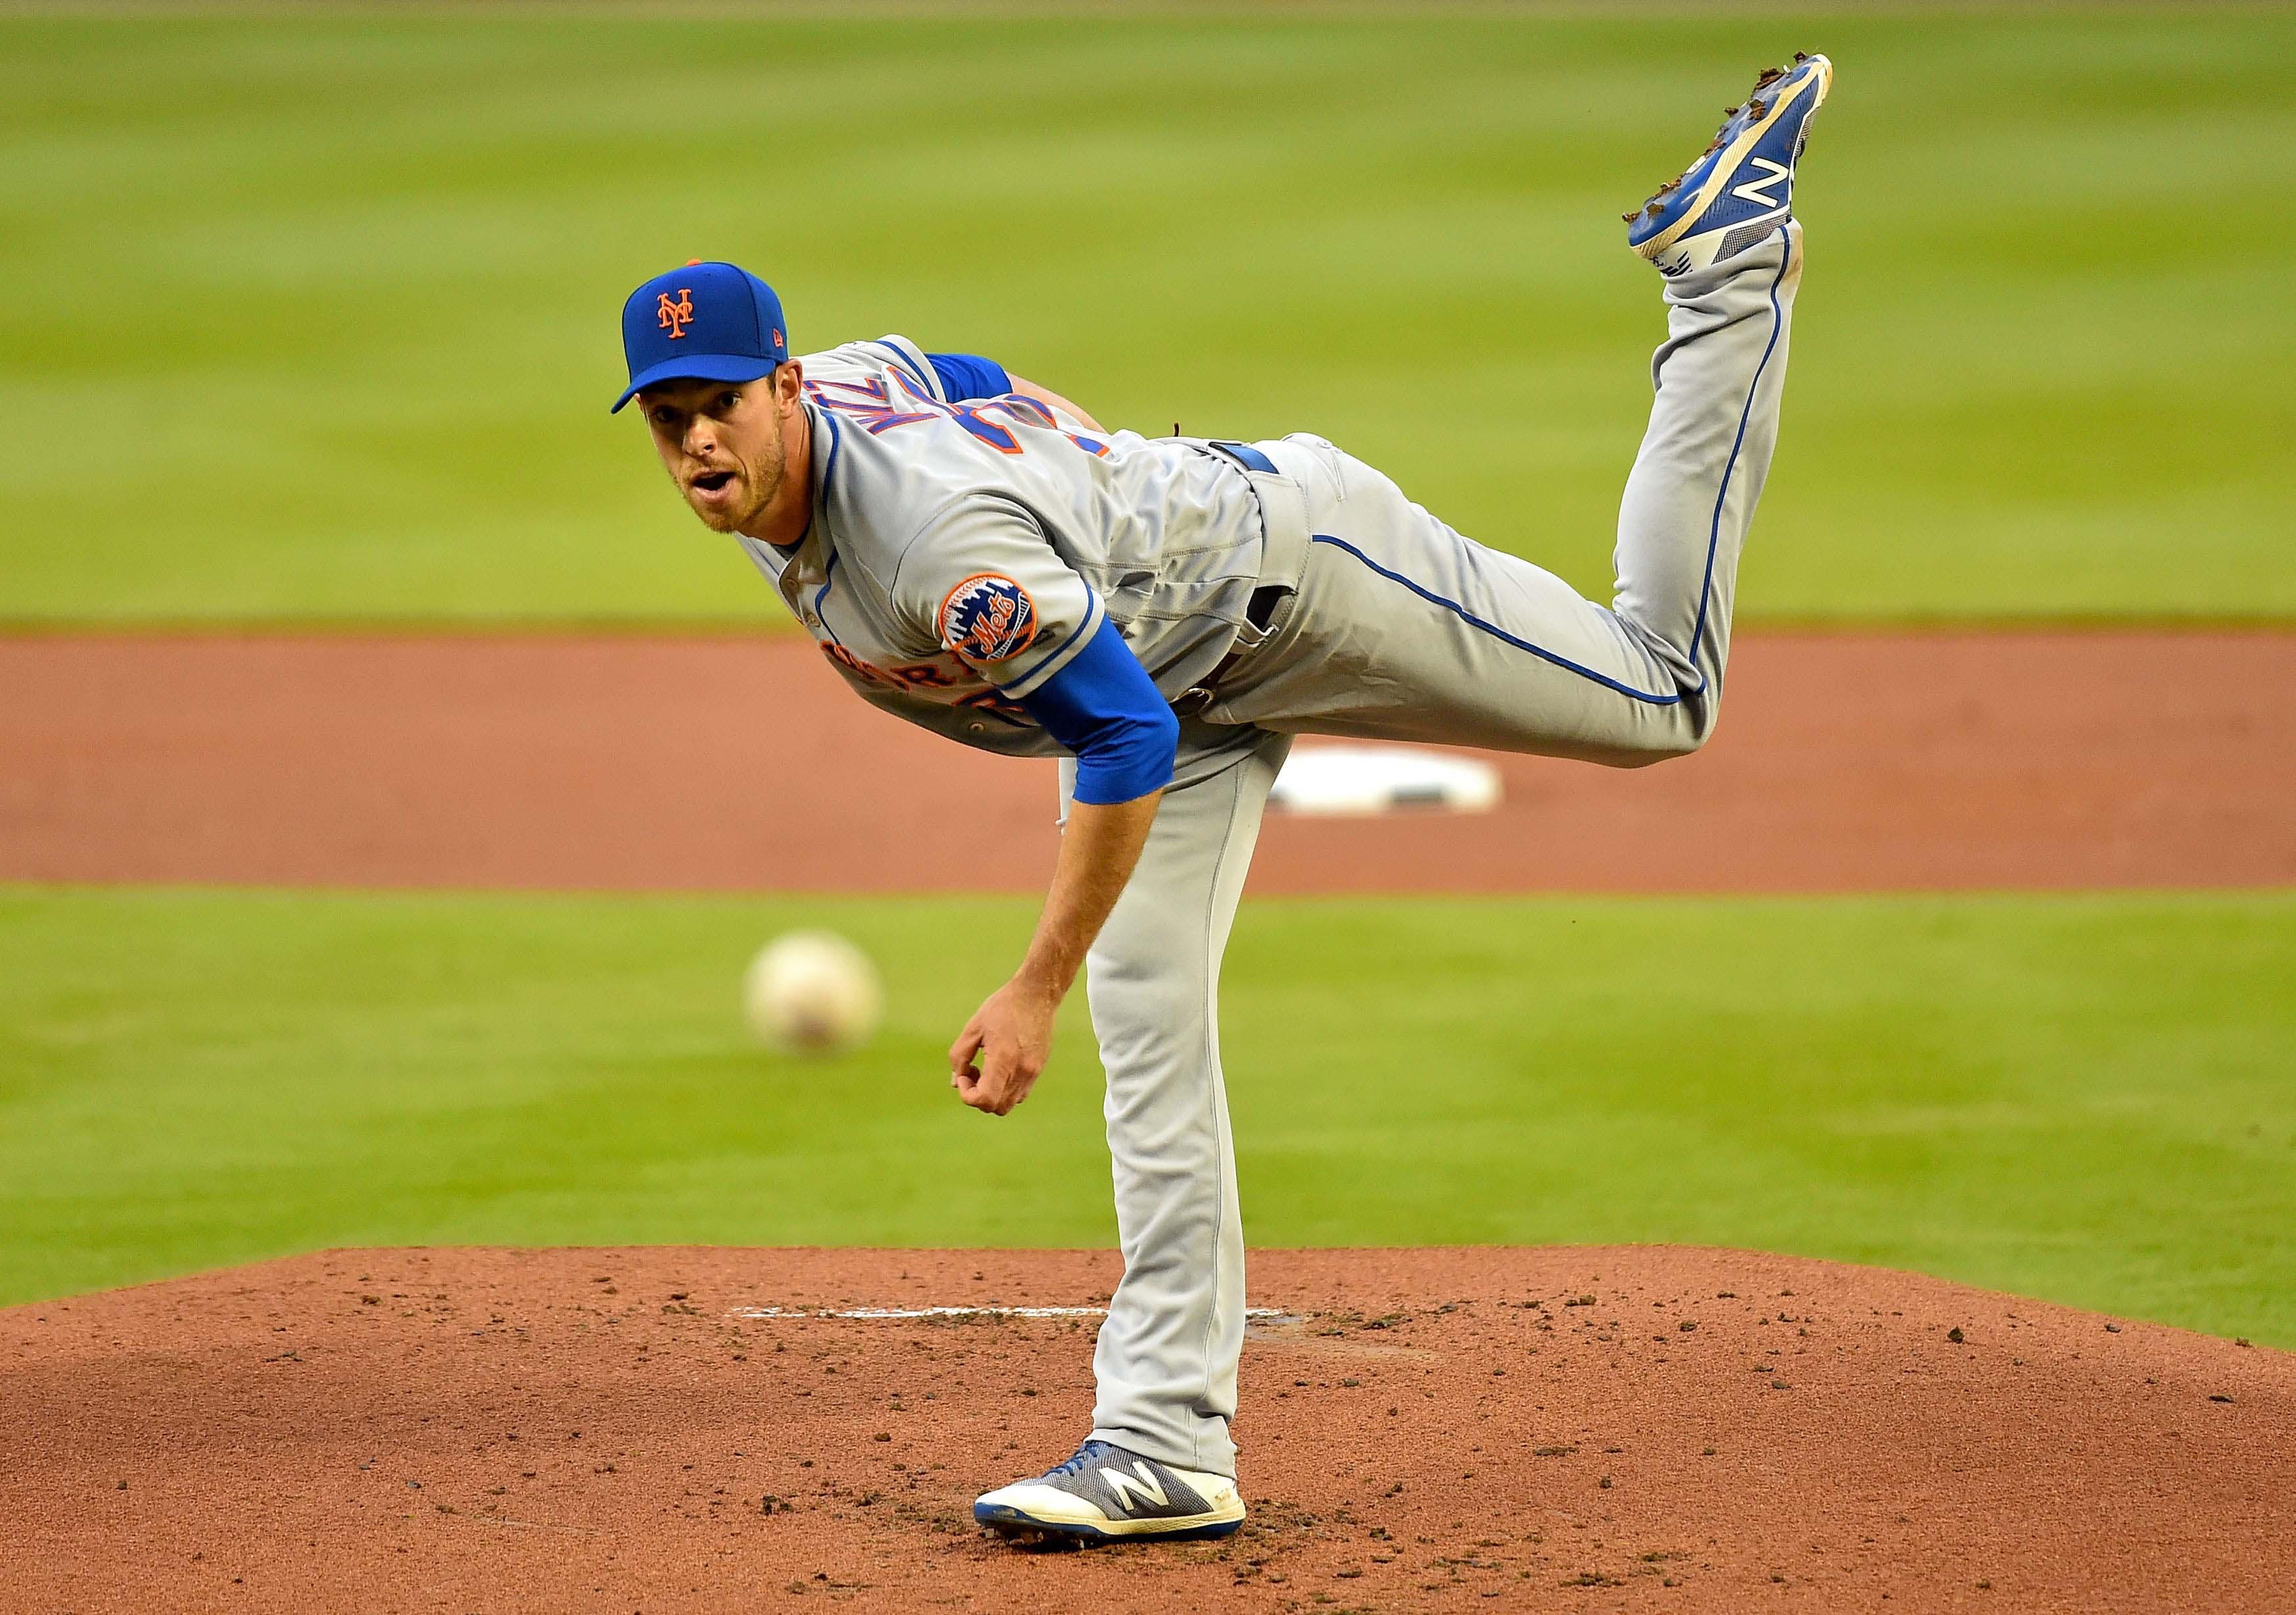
[{"x": 977, "y": 554}]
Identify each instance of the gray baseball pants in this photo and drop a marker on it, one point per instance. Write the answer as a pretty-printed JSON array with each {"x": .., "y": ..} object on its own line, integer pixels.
[{"x": 1401, "y": 630}]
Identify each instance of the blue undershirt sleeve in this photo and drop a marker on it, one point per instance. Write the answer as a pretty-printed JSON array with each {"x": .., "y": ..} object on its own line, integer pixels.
[
  {"x": 965, "y": 376},
  {"x": 1104, "y": 708}
]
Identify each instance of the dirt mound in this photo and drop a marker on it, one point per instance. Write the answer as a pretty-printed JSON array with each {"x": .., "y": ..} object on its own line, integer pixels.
[{"x": 1602, "y": 1429}]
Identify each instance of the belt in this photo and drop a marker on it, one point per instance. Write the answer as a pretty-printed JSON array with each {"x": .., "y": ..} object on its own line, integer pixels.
[
  {"x": 1243, "y": 454},
  {"x": 1259, "y": 611}
]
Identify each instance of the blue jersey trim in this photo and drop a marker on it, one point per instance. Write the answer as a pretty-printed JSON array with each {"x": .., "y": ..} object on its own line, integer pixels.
[
  {"x": 966, "y": 376},
  {"x": 836, "y": 439},
  {"x": 1104, "y": 708},
  {"x": 901, "y": 361},
  {"x": 828, "y": 470},
  {"x": 820, "y": 600},
  {"x": 1094, "y": 615}
]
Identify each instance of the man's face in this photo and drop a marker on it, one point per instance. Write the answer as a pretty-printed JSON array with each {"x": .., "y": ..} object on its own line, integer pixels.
[{"x": 723, "y": 442}]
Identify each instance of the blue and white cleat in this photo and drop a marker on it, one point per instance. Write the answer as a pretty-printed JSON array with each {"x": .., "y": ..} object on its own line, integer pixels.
[
  {"x": 1740, "y": 188},
  {"x": 1106, "y": 1494}
]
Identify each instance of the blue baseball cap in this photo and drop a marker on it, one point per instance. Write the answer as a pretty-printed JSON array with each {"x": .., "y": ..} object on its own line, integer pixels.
[{"x": 706, "y": 322}]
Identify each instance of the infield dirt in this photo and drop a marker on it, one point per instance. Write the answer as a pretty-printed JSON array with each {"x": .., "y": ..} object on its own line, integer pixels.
[
  {"x": 1565, "y": 1430},
  {"x": 1910, "y": 762}
]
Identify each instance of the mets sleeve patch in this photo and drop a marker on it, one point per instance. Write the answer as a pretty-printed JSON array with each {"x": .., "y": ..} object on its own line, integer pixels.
[{"x": 988, "y": 618}]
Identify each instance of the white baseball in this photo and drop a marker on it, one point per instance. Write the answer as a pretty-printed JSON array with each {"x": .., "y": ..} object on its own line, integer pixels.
[{"x": 812, "y": 993}]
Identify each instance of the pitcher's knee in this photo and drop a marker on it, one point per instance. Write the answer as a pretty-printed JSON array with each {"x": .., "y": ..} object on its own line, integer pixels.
[
  {"x": 1682, "y": 742},
  {"x": 1683, "y": 731}
]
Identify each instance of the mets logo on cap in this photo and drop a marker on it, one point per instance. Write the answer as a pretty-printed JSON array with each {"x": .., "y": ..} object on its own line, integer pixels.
[{"x": 987, "y": 618}]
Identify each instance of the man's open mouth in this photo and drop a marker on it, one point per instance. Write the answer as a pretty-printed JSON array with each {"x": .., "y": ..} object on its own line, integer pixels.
[{"x": 710, "y": 481}]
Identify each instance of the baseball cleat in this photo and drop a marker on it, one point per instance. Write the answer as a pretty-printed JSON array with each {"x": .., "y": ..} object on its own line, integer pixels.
[
  {"x": 1740, "y": 188},
  {"x": 1106, "y": 1493}
]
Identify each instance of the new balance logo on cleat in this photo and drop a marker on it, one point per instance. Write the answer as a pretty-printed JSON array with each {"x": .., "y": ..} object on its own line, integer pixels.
[
  {"x": 1758, "y": 191},
  {"x": 1740, "y": 189},
  {"x": 1122, "y": 1485},
  {"x": 1105, "y": 1492}
]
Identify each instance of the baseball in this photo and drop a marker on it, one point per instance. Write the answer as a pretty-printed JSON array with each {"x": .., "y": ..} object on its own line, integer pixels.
[{"x": 812, "y": 993}]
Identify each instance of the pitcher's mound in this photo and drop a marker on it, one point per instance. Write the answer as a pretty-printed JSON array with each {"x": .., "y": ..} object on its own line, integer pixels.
[{"x": 666, "y": 1429}]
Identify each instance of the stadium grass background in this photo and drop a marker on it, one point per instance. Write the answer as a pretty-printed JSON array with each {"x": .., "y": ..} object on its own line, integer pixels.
[
  {"x": 315, "y": 312},
  {"x": 312, "y": 324},
  {"x": 2082, "y": 1099}
]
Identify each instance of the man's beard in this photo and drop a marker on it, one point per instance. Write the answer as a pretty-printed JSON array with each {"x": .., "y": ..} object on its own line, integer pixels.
[{"x": 732, "y": 518}]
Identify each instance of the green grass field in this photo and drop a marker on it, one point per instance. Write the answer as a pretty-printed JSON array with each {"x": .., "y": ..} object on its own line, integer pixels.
[
  {"x": 314, "y": 321},
  {"x": 2081, "y": 1099},
  {"x": 313, "y": 315}
]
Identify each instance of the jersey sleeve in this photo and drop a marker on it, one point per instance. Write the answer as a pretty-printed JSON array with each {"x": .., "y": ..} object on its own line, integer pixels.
[
  {"x": 1104, "y": 707},
  {"x": 982, "y": 583},
  {"x": 952, "y": 378}
]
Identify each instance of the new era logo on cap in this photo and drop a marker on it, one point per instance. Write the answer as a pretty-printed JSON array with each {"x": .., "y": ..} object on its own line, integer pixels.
[{"x": 712, "y": 322}]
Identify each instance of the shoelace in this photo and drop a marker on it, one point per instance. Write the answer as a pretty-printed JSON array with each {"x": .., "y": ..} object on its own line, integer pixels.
[{"x": 1090, "y": 1453}]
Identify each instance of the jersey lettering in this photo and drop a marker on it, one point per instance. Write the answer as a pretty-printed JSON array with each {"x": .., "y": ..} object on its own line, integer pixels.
[
  {"x": 870, "y": 404},
  {"x": 923, "y": 675},
  {"x": 841, "y": 657},
  {"x": 997, "y": 704}
]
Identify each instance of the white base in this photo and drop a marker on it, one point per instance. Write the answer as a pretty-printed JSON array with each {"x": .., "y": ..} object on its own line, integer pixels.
[{"x": 1364, "y": 779}]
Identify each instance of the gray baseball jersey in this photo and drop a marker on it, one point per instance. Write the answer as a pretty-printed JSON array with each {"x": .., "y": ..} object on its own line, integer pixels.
[{"x": 962, "y": 552}]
